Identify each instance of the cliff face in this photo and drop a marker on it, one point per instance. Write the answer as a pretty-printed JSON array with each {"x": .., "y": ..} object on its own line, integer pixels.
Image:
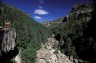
[
  {"x": 7, "y": 44},
  {"x": 76, "y": 33}
]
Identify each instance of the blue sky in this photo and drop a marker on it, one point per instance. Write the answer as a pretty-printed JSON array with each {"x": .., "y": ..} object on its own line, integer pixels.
[{"x": 45, "y": 10}]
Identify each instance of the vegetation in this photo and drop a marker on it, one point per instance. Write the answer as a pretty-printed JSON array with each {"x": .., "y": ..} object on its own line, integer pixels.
[
  {"x": 30, "y": 33},
  {"x": 77, "y": 35}
]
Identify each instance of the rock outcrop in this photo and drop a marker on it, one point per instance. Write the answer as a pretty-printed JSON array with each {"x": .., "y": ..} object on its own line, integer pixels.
[
  {"x": 18, "y": 57},
  {"x": 78, "y": 33},
  {"x": 50, "y": 54},
  {"x": 7, "y": 44}
]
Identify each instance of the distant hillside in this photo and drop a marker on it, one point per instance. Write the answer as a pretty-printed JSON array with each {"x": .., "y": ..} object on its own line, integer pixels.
[
  {"x": 30, "y": 34},
  {"x": 77, "y": 33}
]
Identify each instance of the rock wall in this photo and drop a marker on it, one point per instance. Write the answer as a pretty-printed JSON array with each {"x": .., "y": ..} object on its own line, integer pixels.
[
  {"x": 8, "y": 47},
  {"x": 8, "y": 41}
]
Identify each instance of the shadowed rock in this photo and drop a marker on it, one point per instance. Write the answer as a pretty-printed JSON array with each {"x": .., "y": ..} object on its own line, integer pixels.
[{"x": 8, "y": 48}]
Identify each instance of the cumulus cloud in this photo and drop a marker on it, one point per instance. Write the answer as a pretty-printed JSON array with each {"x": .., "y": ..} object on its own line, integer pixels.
[
  {"x": 40, "y": 12},
  {"x": 37, "y": 17}
]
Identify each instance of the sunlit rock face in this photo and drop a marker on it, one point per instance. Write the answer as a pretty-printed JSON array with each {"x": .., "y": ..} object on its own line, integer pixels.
[
  {"x": 50, "y": 54},
  {"x": 7, "y": 44}
]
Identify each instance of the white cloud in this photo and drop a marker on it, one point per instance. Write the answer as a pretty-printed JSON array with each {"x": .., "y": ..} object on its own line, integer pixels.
[
  {"x": 37, "y": 17},
  {"x": 40, "y": 11}
]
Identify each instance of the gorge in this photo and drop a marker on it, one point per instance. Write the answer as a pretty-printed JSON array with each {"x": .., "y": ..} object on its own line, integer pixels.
[{"x": 69, "y": 39}]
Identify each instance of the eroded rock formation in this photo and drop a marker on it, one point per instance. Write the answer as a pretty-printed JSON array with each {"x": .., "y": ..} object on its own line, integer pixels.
[
  {"x": 50, "y": 54},
  {"x": 7, "y": 44}
]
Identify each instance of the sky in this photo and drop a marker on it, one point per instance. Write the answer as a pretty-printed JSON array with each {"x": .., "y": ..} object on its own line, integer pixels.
[{"x": 45, "y": 10}]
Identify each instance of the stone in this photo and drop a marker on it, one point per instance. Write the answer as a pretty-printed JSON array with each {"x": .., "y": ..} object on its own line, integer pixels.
[
  {"x": 47, "y": 55},
  {"x": 40, "y": 61},
  {"x": 8, "y": 48}
]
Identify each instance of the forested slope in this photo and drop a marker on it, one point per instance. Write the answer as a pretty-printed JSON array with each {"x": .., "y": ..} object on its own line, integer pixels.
[
  {"x": 30, "y": 34},
  {"x": 77, "y": 33}
]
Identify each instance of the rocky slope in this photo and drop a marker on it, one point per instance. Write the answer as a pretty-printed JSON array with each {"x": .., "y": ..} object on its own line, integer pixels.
[
  {"x": 49, "y": 53},
  {"x": 8, "y": 48},
  {"x": 76, "y": 34}
]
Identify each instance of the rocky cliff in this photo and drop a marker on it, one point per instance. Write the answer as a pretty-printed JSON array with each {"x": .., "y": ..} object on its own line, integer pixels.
[
  {"x": 76, "y": 33},
  {"x": 7, "y": 44}
]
